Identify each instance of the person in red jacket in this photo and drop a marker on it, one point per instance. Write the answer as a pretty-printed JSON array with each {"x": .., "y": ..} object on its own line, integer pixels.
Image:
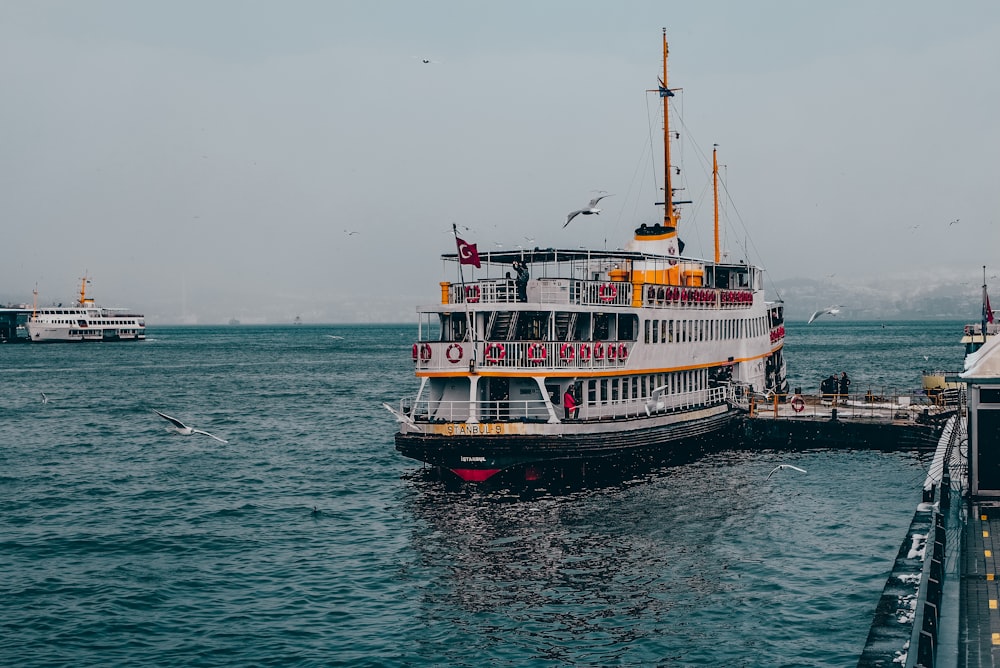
[{"x": 570, "y": 406}]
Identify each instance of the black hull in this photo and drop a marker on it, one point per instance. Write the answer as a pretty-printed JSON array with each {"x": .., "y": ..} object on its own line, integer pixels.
[{"x": 487, "y": 455}]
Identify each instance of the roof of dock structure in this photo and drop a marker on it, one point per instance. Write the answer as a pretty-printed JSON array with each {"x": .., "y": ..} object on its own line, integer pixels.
[{"x": 984, "y": 364}]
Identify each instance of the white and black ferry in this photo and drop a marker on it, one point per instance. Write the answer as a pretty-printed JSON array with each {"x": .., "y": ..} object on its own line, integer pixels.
[
  {"x": 84, "y": 321},
  {"x": 559, "y": 355}
]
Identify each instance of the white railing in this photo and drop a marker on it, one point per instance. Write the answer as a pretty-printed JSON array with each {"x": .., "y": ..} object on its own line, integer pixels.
[
  {"x": 536, "y": 410},
  {"x": 522, "y": 355}
]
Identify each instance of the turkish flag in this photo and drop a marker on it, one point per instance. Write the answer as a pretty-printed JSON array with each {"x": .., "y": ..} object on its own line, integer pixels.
[{"x": 467, "y": 253}]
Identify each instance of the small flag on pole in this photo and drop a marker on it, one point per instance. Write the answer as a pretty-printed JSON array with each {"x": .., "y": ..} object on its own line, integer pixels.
[
  {"x": 987, "y": 311},
  {"x": 467, "y": 253}
]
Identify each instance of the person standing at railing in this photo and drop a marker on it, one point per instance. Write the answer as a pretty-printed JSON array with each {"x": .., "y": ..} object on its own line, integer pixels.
[
  {"x": 522, "y": 280},
  {"x": 570, "y": 407},
  {"x": 845, "y": 386}
]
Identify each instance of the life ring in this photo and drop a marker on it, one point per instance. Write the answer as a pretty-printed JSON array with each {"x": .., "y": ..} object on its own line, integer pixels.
[
  {"x": 608, "y": 292},
  {"x": 622, "y": 352},
  {"x": 598, "y": 351},
  {"x": 567, "y": 352},
  {"x": 495, "y": 352},
  {"x": 584, "y": 352},
  {"x": 651, "y": 293},
  {"x": 425, "y": 351},
  {"x": 536, "y": 353},
  {"x": 415, "y": 352},
  {"x": 798, "y": 404},
  {"x": 454, "y": 347},
  {"x": 661, "y": 294},
  {"x": 472, "y": 293},
  {"x": 612, "y": 352}
]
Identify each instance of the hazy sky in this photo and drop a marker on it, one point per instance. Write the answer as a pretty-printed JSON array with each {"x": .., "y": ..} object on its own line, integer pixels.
[{"x": 204, "y": 160}]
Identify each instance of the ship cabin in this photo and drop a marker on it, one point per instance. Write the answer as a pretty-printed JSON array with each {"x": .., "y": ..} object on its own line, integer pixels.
[{"x": 622, "y": 328}]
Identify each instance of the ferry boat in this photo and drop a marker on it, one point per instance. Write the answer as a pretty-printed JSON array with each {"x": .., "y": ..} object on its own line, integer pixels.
[
  {"x": 84, "y": 321},
  {"x": 588, "y": 354}
]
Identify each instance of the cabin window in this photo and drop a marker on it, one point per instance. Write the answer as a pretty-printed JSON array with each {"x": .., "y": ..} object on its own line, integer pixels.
[
  {"x": 532, "y": 325},
  {"x": 602, "y": 326},
  {"x": 656, "y": 331},
  {"x": 627, "y": 327},
  {"x": 604, "y": 390}
]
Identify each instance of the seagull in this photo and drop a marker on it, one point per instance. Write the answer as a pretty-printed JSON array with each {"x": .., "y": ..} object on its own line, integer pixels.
[
  {"x": 832, "y": 310},
  {"x": 953, "y": 222},
  {"x": 351, "y": 232},
  {"x": 591, "y": 209},
  {"x": 426, "y": 61},
  {"x": 45, "y": 399},
  {"x": 185, "y": 430},
  {"x": 783, "y": 466}
]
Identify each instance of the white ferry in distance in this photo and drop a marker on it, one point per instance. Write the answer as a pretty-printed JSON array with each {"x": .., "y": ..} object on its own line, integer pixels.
[
  {"x": 660, "y": 352},
  {"x": 84, "y": 321}
]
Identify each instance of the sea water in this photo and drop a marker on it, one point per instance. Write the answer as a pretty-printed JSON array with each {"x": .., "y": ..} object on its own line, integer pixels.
[{"x": 308, "y": 541}]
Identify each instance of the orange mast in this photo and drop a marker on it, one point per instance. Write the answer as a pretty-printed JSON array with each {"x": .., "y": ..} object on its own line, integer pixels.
[
  {"x": 715, "y": 191},
  {"x": 669, "y": 215}
]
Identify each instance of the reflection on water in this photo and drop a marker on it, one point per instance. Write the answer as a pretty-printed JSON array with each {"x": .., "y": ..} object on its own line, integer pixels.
[{"x": 703, "y": 564}]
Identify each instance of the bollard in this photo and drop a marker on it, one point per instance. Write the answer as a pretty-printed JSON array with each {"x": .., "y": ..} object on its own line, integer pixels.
[{"x": 833, "y": 414}]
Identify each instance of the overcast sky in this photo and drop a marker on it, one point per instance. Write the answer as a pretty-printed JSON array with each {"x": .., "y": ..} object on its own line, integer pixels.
[{"x": 207, "y": 160}]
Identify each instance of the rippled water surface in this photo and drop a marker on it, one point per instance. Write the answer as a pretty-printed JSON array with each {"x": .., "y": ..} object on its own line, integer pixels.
[{"x": 307, "y": 540}]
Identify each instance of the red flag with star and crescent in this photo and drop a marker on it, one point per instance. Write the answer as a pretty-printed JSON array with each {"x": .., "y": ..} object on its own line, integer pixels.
[{"x": 467, "y": 253}]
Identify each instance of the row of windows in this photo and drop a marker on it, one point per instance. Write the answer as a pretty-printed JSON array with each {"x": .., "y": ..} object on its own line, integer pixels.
[
  {"x": 95, "y": 323},
  {"x": 630, "y": 388},
  {"x": 682, "y": 331}
]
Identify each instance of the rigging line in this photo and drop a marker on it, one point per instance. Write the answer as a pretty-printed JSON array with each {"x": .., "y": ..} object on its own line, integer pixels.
[{"x": 641, "y": 162}]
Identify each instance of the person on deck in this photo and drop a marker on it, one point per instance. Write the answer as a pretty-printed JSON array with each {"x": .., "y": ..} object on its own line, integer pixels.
[
  {"x": 569, "y": 403},
  {"x": 522, "y": 280}
]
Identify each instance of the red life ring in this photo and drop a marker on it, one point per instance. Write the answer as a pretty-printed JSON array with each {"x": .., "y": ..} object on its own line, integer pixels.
[
  {"x": 598, "y": 351},
  {"x": 584, "y": 352},
  {"x": 798, "y": 404},
  {"x": 612, "y": 352},
  {"x": 536, "y": 353},
  {"x": 425, "y": 351},
  {"x": 414, "y": 352},
  {"x": 608, "y": 292},
  {"x": 472, "y": 293},
  {"x": 622, "y": 352},
  {"x": 567, "y": 352},
  {"x": 684, "y": 295},
  {"x": 651, "y": 293},
  {"x": 447, "y": 353},
  {"x": 495, "y": 352}
]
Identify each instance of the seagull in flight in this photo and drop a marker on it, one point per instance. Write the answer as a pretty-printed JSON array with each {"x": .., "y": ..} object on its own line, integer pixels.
[
  {"x": 45, "y": 399},
  {"x": 185, "y": 430},
  {"x": 351, "y": 233},
  {"x": 831, "y": 310},
  {"x": 591, "y": 209},
  {"x": 783, "y": 466}
]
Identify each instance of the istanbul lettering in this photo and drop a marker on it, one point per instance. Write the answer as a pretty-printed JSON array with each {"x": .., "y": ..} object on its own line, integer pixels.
[{"x": 462, "y": 429}]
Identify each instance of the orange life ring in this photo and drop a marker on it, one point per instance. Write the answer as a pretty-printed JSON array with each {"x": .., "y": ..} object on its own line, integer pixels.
[
  {"x": 598, "y": 351},
  {"x": 608, "y": 292},
  {"x": 495, "y": 352},
  {"x": 447, "y": 353},
  {"x": 536, "y": 353},
  {"x": 567, "y": 352},
  {"x": 584, "y": 352},
  {"x": 798, "y": 404},
  {"x": 622, "y": 352},
  {"x": 425, "y": 351},
  {"x": 472, "y": 293}
]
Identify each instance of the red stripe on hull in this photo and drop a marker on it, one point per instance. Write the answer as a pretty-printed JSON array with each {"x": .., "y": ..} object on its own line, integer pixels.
[{"x": 475, "y": 475}]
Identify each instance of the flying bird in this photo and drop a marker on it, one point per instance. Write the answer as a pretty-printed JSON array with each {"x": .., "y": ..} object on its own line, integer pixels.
[
  {"x": 783, "y": 466},
  {"x": 426, "y": 61},
  {"x": 185, "y": 430},
  {"x": 45, "y": 399},
  {"x": 351, "y": 233},
  {"x": 954, "y": 222},
  {"x": 591, "y": 209},
  {"x": 831, "y": 310}
]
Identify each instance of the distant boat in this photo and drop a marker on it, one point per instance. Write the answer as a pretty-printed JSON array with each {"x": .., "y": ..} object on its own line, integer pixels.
[
  {"x": 84, "y": 321},
  {"x": 234, "y": 321},
  {"x": 297, "y": 321}
]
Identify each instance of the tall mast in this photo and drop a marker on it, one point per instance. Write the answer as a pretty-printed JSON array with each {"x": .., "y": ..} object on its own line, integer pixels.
[
  {"x": 669, "y": 217},
  {"x": 715, "y": 192}
]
